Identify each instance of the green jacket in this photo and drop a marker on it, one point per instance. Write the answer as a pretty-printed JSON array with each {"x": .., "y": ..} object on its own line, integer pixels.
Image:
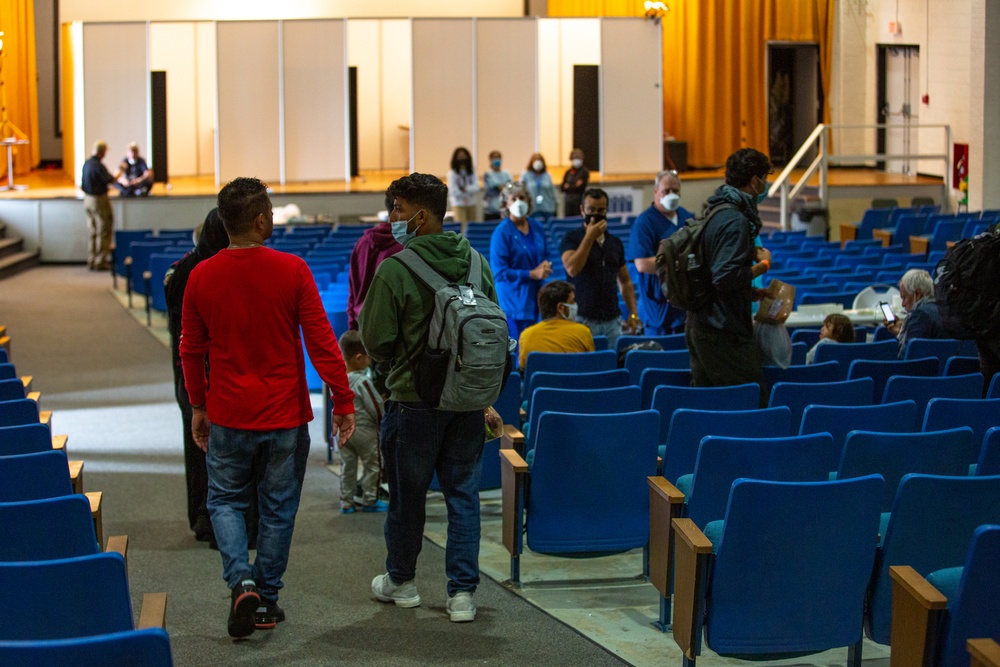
[{"x": 397, "y": 311}]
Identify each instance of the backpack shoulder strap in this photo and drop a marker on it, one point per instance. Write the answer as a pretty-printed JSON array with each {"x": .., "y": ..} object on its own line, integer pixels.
[
  {"x": 707, "y": 215},
  {"x": 475, "y": 275},
  {"x": 421, "y": 269}
]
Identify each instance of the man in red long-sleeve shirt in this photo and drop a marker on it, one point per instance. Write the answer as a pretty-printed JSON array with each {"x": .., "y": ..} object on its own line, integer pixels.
[{"x": 244, "y": 308}]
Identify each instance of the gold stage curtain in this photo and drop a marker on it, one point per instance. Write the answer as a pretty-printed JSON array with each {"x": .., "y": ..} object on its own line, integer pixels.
[
  {"x": 20, "y": 82},
  {"x": 714, "y": 64}
]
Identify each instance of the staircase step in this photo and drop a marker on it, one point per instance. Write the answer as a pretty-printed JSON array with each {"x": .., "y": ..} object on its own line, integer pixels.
[
  {"x": 17, "y": 262},
  {"x": 10, "y": 246}
]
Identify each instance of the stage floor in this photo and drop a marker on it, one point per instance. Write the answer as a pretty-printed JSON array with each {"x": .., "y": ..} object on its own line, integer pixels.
[{"x": 53, "y": 184}]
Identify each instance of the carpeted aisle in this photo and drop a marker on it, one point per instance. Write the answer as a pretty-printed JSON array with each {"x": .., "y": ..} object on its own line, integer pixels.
[{"x": 109, "y": 384}]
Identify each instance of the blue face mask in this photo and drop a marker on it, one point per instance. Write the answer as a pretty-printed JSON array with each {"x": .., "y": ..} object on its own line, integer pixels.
[
  {"x": 495, "y": 164},
  {"x": 763, "y": 195},
  {"x": 400, "y": 233}
]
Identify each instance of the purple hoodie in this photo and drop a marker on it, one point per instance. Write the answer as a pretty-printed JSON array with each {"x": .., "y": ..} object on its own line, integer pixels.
[{"x": 374, "y": 245}]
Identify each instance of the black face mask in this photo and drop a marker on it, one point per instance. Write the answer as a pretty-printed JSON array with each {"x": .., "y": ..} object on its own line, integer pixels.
[{"x": 592, "y": 218}]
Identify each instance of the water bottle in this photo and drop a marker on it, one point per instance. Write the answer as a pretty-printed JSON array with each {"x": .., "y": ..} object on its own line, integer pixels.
[{"x": 696, "y": 281}]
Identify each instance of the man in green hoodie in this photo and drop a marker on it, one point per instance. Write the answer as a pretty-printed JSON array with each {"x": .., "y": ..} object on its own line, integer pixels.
[
  {"x": 720, "y": 336},
  {"x": 418, "y": 441}
]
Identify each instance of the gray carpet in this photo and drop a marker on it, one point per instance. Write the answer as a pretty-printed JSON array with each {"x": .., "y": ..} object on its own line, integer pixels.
[{"x": 108, "y": 382}]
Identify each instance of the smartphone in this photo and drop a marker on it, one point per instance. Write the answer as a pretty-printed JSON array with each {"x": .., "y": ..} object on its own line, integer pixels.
[{"x": 887, "y": 312}]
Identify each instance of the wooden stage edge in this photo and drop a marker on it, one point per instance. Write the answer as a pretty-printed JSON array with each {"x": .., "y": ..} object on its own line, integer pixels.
[{"x": 52, "y": 184}]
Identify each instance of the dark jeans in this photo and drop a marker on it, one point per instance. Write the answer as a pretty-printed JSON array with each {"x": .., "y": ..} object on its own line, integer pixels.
[
  {"x": 417, "y": 442},
  {"x": 231, "y": 454},
  {"x": 720, "y": 359}
]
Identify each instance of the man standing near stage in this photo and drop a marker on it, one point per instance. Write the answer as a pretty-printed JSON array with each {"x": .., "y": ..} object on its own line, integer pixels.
[{"x": 95, "y": 182}]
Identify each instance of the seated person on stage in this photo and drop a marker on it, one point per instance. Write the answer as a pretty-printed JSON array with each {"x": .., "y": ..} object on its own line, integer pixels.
[
  {"x": 558, "y": 331},
  {"x": 837, "y": 328},
  {"x": 133, "y": 178},
  {"x": 916, "y": 289}
]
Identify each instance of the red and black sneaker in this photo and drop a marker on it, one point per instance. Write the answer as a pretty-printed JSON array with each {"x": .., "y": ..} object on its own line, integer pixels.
[
  {"x": 242, "y": 610},
  {"x": 268, "y": 615}
]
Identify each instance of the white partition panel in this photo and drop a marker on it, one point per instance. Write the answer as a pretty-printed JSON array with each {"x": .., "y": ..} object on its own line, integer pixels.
[
  {"x": 549, "y": 99},
  {"x": 207, "y": 96},
  {"x": 364, "y": 54},
  {"x": 172, "y": 50},
  {"x": 632, "y": 97},
  {"x": 396, "y": 93},
  {"x": 248, "y": 135},
  {"x": 315, "y": 94},
  {"x": 116, "y": 87},
  {"x": 506, "y": 104},
  {"x": 443, "y": 92}
]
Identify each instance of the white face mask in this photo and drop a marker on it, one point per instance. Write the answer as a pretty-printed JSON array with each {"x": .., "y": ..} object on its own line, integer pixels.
[
  {"x": 518, "y": 209},
  {"x": 571, "y": 309},
  {"x": 577, "y": 163},
  {"x": 538, "y": 165},
  {"x": 670, "y": 201}
]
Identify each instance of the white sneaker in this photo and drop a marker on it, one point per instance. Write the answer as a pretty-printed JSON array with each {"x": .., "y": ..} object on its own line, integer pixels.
[
  {"x": 461, "y": 608},
  {"x": 404, "y": 594}
]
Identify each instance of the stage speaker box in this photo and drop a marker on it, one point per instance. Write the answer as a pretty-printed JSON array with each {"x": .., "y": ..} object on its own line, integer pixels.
[
  {"x": 586, "y": 115},
  {"x": 352, "y": 122},
  {"x": 158, "y": 112}
]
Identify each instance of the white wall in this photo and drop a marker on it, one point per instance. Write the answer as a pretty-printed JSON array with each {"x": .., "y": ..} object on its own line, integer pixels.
[
  {"x": 632, "y": 97},
  {"x": 218, "y": 10},
  {"x": 116, "y": 97},
  {"x": 315, "y": 100},
  {"x": 506, "y": 108},
  {"x": 172, "y": 49},
  {"x": 207, "y": 74},
  {"x": 249, "y": 128},
  {"x": 443, "y": 93}
]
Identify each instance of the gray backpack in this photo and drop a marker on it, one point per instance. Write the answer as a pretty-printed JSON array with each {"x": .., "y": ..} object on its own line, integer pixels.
[{"x": 465, "y": 361}]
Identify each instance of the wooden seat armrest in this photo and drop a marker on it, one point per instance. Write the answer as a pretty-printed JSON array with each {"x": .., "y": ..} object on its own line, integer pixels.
[
  {"x": 128, "y": 261},
  {"x": 919, "y": 244},
  {"x": 147, "y": 275},
  {"x": 513, "y": 469},
  {"x": 916, "y": 610},
  {"x": 691, "y": 558},
  {"x": 5, "y": 341},
  {"x": 59, "y": 442},
  {"x": 35, "y": 396},
  {"x": 76, "y": 475},
  {"x": 97, "y": 514},
  {"x": 512, "y": 438},
  {"x": 665, "y": 504},
  {"x": 119, "y": 545},
  {"x": 983, "y": 652},
  {"x": 523, "y": 414},
  {"x": 45, "y": 417},
  {"x": 26, "y": 381},
  {"x": 848, "y": 232},
  {"x": 153, "y": 613},
  {"x": 884, "y": 235}
]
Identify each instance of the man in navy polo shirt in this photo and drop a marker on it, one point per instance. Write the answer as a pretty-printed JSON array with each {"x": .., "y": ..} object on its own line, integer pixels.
[
  {"x": 664, "y": 217},
  {"x": 595, "y": 263}
]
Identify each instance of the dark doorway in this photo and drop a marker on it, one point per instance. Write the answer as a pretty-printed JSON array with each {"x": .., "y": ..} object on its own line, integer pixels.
[
  {"x": 794, "y": 98},
  {"x": 897, "y": 96},
  {"x": 586, "y": 115}
]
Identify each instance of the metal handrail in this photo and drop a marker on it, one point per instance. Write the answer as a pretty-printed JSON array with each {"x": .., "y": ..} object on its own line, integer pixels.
[{"x": 821, "y": 134}]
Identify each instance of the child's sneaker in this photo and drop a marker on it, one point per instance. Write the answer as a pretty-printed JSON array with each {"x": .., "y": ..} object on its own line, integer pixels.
[
  {"x": 404, "y": 594},
  {"x": 347, "y": 508},
  {"x": 461, "y": 608},
  {"x": 377, "y": 506}
]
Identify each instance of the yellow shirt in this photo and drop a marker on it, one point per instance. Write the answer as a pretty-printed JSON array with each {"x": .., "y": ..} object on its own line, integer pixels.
[{"x": 554, "y": 335}]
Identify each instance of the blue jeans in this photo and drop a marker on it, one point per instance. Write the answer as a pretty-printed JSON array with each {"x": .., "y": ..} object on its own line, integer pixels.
[
  {"x": 612, "y": 329},
  {"x": 282, "y": 456},
  {"x": 416, "y": 442}
]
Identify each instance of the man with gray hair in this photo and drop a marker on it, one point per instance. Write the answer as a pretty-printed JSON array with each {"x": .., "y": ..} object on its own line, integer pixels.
[
  {"x": 664, "y": 217},
  {"x": 916, "y": 288}
]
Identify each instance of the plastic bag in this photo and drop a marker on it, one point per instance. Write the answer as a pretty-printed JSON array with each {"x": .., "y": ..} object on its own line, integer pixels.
[
  {"x": 492, "y": 423},
  {"x": 774, "y": 343}
]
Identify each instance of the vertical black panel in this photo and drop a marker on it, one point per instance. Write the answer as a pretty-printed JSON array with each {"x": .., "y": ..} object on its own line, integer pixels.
[
  {"x": 881, "y": 118},
  {"x": 586, "y": 115},
  {"x": 158, "y": 151},
  {"x": 352, "y": 113}
]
